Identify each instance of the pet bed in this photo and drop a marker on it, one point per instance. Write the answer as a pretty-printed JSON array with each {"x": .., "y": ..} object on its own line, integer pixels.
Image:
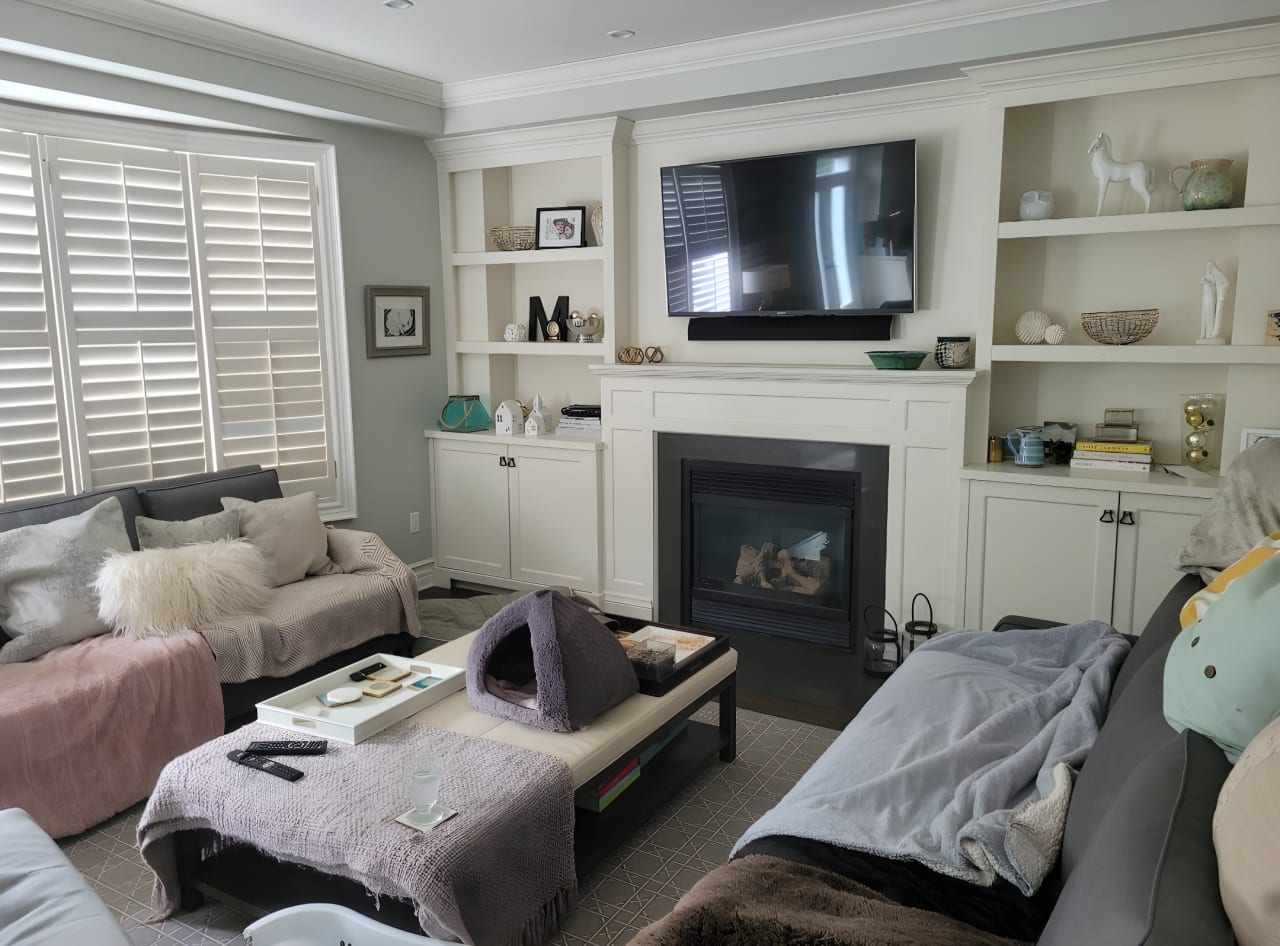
[{"x": 544, "y": 661}]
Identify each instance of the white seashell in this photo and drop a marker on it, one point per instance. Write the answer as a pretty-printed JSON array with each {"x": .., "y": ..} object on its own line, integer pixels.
[
  {"x": 1031, "y": 327},
  {"x": 1055, "y": 335}
]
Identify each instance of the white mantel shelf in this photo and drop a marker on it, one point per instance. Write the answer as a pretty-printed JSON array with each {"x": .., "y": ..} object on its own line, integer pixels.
[{"x": 838, "y": 374}]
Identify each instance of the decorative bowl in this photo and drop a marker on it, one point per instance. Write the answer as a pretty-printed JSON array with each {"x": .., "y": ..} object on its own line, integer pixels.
[
  {"x": 512, "y": 238},
  {"x": 897, "y": 360},
  {"x": 1119, "y": 328}
]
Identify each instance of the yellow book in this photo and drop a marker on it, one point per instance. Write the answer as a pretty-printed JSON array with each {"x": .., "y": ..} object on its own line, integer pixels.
[{"x": 1115, "y": 446}]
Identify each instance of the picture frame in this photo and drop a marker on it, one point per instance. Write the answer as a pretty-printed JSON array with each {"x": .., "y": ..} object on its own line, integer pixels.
[
  {"x": 397, "y": 321},
  {"x": 1273, "y": 328},
  {"x": 559, "y": 228},
  {"x": 1251, "y": 435}
]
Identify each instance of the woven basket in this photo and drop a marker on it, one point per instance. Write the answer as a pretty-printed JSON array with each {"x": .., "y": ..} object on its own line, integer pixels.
[
  {"x": 1119, "y": 328},
  {"x": 512, "y": 238}
]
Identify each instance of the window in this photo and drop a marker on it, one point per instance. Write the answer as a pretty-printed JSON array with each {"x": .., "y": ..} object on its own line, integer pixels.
[{"x": 166, "y": 311}]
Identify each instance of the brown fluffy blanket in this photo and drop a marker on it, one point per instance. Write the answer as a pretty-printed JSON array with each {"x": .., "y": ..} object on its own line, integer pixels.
[{"x": 766, "y": 901}]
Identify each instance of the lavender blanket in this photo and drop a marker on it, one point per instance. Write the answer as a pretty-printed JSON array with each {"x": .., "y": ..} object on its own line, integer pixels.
[{"x": 500, "y": 872}]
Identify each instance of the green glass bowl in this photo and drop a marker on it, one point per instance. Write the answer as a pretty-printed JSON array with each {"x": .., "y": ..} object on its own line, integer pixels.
[{"x": 897, "y": 360}]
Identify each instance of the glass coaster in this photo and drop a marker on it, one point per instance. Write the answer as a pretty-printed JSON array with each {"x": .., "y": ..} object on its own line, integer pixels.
[{"x": 443, "y": 814}]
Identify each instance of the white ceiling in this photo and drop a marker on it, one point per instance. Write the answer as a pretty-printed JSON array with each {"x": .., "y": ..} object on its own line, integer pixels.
[{"x": 454, "y": 40}]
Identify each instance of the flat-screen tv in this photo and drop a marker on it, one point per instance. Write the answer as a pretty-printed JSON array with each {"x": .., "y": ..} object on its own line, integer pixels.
[{"x": 818, "y": 233}]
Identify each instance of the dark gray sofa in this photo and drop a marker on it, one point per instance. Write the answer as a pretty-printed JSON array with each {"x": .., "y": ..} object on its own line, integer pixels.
[{"x": 187, "y": 497}]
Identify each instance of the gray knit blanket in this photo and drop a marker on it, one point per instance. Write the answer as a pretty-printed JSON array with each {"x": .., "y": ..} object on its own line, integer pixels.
[{"x": 500, "y": 872}]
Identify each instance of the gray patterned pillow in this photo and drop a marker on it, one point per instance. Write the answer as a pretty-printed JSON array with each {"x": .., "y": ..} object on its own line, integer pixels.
[
  {"x": 166, "y": 534},
  {"x": 47, "y": 573}
]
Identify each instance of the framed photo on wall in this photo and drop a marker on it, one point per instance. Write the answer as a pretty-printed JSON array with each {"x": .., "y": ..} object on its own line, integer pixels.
[
  {"x": 397, "y": 321},
  {"x": 559, "y": 227}
]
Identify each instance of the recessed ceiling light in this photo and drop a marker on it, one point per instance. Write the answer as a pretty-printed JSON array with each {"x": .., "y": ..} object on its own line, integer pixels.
[
  {"x": 621, "y": 34},
  {"x": 398, "y": 4}
]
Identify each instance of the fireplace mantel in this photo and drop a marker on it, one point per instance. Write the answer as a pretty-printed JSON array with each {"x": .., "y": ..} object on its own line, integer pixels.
[
  {"x": 919, "y": 415},
  {"x": 828, "y": 374}
]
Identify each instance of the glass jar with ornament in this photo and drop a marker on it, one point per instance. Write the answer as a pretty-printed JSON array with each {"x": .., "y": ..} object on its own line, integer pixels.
[{"x": 1201, "y": 429}]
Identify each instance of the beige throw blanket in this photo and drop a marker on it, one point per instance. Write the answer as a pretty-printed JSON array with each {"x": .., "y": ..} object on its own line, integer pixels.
[
  {"x": 500, "y": 872},
  {"x": 765, "y": 901},
  {"x": 1245, "y": 510},
  {"x": 322, "y": 615}
]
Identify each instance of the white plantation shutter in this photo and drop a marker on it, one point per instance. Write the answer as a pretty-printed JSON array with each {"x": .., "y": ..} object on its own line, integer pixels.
[
  {"x": 120, "y": 220},
  {"x": 32, "y": 443},
  {"x": 257, "y": 238}
]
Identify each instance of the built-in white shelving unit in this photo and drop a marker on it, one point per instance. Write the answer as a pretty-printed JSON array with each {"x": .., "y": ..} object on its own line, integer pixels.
[{"x": 1138, "y": 354}]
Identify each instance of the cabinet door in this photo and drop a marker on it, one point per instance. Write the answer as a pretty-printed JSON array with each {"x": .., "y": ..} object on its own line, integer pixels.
[
  {"x": 555, "y": 517},
  {"x": 1039, "y": 551},
  {"x": 1151, "y": 530},
  {"x": 473, "y": 530}
]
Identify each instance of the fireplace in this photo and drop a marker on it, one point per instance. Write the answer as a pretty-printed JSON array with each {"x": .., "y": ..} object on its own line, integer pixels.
[
  {"x": 781, "y": 545},
  {"x": 769, "y": 549}
]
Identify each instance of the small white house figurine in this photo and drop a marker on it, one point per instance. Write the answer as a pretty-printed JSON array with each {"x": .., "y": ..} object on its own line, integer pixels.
[
  {"x": 508, "y": 419},
  {"x": 1140, "y": 175},
  {"x": 1213, "y": 293},
  {"x": 539, "y": 422}
]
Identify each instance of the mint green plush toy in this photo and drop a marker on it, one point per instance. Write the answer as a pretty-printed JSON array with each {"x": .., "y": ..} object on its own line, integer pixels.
[{"x": 1222, "y": 676}]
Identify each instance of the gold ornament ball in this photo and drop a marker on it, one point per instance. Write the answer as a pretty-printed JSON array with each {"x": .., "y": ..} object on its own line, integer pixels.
[
  {"x": 1196, "y": 457},
  {"x": 1195, "y": 418},
  {"x": 1191, "y": 406}
]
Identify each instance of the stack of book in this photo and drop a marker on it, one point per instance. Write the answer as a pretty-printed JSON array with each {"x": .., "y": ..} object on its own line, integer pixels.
[
  {"x": 580, "y": 418},
  {"x": 1118, "y": 456}
]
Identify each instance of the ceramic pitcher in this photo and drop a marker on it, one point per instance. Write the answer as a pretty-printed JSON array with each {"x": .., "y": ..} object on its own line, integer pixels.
[
  {"x": 1027, "y": 446},
  {"x": 1206, "y": 186}
]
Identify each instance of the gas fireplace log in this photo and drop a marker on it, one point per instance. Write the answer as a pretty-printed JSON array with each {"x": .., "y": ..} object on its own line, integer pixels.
[{"x": 775, "y": 569}]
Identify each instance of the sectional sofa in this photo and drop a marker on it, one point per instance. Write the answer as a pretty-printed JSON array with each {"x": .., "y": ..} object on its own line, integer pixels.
[{"x": 86, "y": 728}]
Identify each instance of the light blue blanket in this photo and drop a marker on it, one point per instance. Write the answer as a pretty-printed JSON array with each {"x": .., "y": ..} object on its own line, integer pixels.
[{"x": 964, "y": 759}]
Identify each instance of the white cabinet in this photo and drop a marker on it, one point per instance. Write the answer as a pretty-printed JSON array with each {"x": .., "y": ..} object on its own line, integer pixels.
[
  {"x": 1072, "y": 554},
  {"x": 517, "y": 513}
]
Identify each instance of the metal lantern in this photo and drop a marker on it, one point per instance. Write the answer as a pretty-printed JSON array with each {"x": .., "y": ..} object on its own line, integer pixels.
[
  {"x": 917, "y": 631},
  {"x": 882, "y": 647}
]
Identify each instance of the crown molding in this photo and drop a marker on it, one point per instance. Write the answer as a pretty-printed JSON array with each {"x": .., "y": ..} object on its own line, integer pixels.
[
  {"x": 528, "y": 145},
  {"x": 164, "y": 22},
  {"x": 911, "y": 19},
  {"x": 1243, "y": 52},
  {"x": 779, "y": 115}
]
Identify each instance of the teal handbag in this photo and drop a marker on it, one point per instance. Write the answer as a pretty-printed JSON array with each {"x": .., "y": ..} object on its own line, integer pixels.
[{"x": 463, "y": 414}]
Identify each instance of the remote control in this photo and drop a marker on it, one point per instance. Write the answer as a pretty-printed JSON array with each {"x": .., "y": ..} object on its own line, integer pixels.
[
  {"x": 264, "y": 765},
  {"x": 365, "y": 671},
  {"x": 288, "y": 748}
]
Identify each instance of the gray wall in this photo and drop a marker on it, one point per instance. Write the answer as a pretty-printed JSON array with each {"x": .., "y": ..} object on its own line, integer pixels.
[{"x": 388, "y": 201}]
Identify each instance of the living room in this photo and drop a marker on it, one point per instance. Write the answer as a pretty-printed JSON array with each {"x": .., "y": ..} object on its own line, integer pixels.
[{"x": 416, "y": 148}]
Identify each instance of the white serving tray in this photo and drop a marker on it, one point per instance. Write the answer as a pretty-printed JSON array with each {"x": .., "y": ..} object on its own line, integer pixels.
[{"x": 299, "y": 710}]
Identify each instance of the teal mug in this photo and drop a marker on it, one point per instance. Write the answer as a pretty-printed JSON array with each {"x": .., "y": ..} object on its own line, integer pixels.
[{"x": 1027, "y": 446}]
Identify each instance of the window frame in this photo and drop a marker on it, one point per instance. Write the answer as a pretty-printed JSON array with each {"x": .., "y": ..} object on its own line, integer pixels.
[{"x": 330, "y": 284}]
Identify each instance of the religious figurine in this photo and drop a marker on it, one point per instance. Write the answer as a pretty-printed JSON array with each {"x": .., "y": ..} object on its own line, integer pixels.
[{"x": 1213, "y": 293}]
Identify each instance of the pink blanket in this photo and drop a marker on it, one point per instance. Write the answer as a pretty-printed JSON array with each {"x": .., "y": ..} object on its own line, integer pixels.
[{"x": 86, "y": 729}]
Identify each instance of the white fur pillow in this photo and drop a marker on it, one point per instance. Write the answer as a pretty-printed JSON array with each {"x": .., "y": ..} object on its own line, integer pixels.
[{"x": 163, "y": 591}]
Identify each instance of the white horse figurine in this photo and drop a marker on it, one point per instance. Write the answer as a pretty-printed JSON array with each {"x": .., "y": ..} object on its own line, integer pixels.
[{"x": 1140, "y": 175}]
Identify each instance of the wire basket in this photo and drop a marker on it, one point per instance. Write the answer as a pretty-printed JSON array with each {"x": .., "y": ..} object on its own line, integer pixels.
[
  {"x": 508, "y": 239},
  {"x": 1119, "y": 328}
]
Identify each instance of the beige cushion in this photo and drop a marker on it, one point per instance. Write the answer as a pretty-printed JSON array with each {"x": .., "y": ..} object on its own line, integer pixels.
[
  {"x": 166, "y": 534},
  {"x": 1246, "y": 835},
  {"x": 589, "y": 750},
  {"x": 289, "y": 534}
]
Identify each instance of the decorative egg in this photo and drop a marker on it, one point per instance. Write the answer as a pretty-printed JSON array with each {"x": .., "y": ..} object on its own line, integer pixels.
[
  {"x": 1195, "y": 418},
  {"x": 1031, "y": 326},
  {"x": 1196, "y": 440},
  {"x": 1196, "y": 457},
  {"x": 1055, "y": 335},
  {"x": 515, "y": 332}
]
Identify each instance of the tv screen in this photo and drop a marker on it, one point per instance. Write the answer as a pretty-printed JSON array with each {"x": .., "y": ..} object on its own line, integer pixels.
[{"x": 820, "y": 233}]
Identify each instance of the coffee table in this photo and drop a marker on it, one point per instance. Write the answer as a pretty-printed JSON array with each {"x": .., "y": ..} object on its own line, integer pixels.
[{"x": 258, "y": 884}]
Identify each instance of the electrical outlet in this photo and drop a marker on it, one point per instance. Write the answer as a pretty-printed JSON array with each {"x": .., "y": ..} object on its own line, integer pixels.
[{"x": 415, "y": 524}]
